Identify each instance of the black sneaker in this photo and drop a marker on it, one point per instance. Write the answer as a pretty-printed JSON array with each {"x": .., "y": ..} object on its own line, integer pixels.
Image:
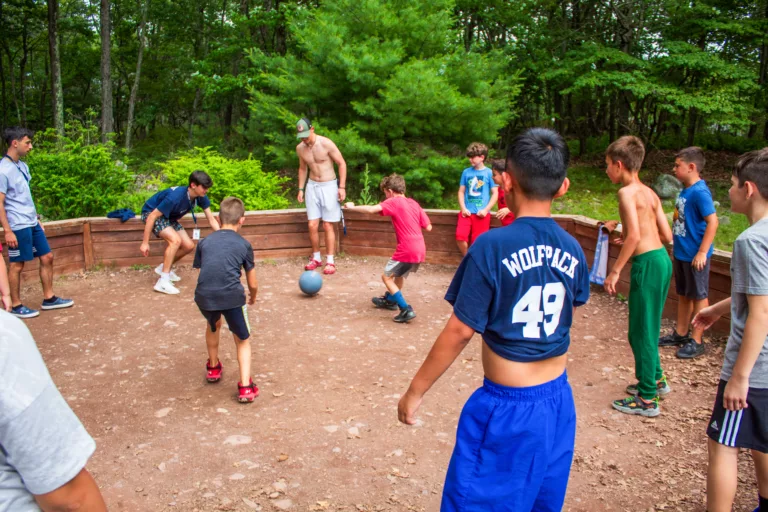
[
  {"x": 673, "y": 340},
  {"x": 691, "y": 350},
  {"x": 405, "y": 315},
  {"x": 383, "y": 303}
]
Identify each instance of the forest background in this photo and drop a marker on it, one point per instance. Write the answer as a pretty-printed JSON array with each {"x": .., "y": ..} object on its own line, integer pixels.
[{"x": 129, "y": 96}]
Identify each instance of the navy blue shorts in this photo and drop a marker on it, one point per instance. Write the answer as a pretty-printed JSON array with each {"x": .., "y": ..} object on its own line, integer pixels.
[
  {"x": 237, "y": 320},
  {"x": 514, "y": 448},
  {"x": 32, "y": 244}
]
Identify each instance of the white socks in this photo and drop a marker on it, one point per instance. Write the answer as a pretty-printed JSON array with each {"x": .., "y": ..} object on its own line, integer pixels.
[
  {"x": 165, "y": 276},
  {"x": 329, "y": 258},
  {"x": 316, "y": 256}
]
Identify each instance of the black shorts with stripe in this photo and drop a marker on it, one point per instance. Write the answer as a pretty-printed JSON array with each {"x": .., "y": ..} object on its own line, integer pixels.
[
  {"x": 747, "y": 428},
  {"x": 237, "y": 320}
]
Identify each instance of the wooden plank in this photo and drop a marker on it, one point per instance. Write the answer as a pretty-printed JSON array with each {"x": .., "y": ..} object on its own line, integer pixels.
[
  {"x": 58, "y": 270},
  {"x": 187, "y": 260},
  {"x": 126, "y": 236},
  {"x": 65, "y": 241},
  {"x": 87, "y": 246}
]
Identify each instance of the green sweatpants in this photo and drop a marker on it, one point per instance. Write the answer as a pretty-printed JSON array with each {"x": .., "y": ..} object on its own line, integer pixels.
[{"x": 649, "y": 284}]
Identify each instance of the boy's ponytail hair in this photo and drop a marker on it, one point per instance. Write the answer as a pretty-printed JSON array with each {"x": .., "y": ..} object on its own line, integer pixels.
[{"x": 753, "y": 166}]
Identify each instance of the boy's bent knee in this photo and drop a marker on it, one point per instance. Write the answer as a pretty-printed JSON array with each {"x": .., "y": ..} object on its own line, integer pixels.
[{"x": 46, "y": 259}]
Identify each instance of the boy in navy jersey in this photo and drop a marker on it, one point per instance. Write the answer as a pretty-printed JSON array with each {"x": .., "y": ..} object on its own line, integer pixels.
[{"x": 514, "y": 443}]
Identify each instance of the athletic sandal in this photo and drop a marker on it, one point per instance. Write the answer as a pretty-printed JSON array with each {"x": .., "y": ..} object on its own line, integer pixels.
[
  {"x": 330, "y": 268},
  {"x": 313, "y": 264},
  {"x": 662, "y": 388},
  {"x": 383, "y": 303},
  {"x": 246, "y": 394},
  {"x": 636, "y": 405},
  {"x": 691, "y": 350},
  {"x": 405, "y": 315},
  {"x": 673, "y": 340},
  {"x": 213, "y": 372}
]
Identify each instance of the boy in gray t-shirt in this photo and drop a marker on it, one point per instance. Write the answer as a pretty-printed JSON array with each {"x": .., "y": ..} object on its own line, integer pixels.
[
  {"x": 43, "y": 446},
  {"x": 740, "y": 415}
]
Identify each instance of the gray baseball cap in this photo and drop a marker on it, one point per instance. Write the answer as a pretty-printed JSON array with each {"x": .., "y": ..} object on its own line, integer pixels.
[{"x": 303, "y": 128}]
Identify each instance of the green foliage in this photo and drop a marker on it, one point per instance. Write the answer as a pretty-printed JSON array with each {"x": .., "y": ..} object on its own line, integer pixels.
[
  {"x": 380, "y": 78},
  {"x": 245, "y": 179},
  {"x": 367, "y": 188},
  {"x": 76, "y": 176}
]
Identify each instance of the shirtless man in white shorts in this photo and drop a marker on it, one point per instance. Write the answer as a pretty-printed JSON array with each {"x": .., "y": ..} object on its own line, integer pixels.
[{"x": 323, "y": 193}]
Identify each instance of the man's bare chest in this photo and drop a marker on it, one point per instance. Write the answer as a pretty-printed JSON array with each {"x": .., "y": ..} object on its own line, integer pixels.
[{"x": 315, "y": 154}]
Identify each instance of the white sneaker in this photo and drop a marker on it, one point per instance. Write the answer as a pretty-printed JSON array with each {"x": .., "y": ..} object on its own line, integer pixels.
[
  {"x": 164, "y": 286},
  {"x": 174, "y": 277}
]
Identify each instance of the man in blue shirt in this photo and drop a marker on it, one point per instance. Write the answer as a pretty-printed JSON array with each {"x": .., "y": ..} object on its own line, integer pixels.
[
  {"x": 162, "y": 212},
  {"x": 24, "y": 234},
  {"x": 517, "y": 287},
  {"x": 694, "y": 227}
]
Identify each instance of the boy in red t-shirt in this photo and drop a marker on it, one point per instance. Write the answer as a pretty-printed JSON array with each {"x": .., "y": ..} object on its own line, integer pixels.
[
  {"x": 504, "y": 214},
  {"x": 408, "y": 219}
]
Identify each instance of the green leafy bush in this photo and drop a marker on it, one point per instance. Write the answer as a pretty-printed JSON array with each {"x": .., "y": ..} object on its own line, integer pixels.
[
  {"x": 75, "y": 176},
  {"x": 245, "y": 179}
]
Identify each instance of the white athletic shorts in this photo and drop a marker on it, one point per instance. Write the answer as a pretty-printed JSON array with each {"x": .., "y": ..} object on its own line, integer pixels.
[{"x": 322, "y": 200}]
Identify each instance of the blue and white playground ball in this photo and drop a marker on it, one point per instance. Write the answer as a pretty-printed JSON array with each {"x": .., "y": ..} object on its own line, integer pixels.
[{"x": 310, "y": 282}]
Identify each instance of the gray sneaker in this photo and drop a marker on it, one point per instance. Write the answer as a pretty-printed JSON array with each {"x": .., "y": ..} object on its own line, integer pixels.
[{"x": 662, "y": 388}]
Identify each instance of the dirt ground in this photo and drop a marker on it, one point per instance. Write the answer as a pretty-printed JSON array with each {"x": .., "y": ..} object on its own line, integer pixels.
[{"x": 324, "y": 434}]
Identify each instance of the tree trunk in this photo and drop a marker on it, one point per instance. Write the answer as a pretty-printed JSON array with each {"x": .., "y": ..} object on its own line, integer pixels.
[
  {"x": 107, "y": 120},
  {"x": 693, "y": 118},
  {"x": 135, "y": 87},
  {"x": 43, "y": 91},
  {"x": 4, "y": 103},
  {"x": 23, "y": 72},
  {"x": 57, "y": 94}
]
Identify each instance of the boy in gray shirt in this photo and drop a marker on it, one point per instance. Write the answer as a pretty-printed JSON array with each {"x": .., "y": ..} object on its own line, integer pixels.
[
  {"x": 43, "y": 446},
  {"x": 740, "y": 415},
  {"x": 220, "y": 258}
]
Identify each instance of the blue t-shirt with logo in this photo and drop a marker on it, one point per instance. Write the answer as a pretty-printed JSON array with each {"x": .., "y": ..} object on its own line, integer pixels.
[
  {"x": 477, "y": 191},
  {"x": 517, "y": 286},
  {"x": 688, "y": 226},
  {"x": 174, "y": 203}
]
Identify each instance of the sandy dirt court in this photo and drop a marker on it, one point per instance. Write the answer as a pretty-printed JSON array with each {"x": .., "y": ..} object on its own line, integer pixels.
[{"x": 324, "y": 434}]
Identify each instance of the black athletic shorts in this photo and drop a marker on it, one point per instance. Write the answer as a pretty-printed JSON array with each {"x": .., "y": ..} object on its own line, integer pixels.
[
  {"x": 689, "y": 282},
  {"x": 237, "y": 320},
  {"x": 747, "y": 428}
]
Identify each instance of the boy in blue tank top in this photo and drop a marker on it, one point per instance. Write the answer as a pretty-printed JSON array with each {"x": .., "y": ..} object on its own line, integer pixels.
[{"x": 517, "y": 289}]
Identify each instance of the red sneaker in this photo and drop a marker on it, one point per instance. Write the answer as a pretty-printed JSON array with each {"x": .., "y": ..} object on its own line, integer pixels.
[
  {"x": 246, "y": 394},
  {"x": 214, "y": 372},
  {"x": 329, "y": 269},
  {"x": 313, "y": 264}
]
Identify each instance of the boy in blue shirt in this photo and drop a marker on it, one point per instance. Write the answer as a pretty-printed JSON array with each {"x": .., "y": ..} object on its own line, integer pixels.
[
  {"x": 477, "y": 195},
  {"x": 162, "y": 212},
  {"x": 514, "y": 444},
  {"x": 694, "y": 228}
]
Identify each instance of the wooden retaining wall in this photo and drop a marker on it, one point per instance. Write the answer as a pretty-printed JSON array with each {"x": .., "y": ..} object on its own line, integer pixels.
[{"x": 82, "y": 244}]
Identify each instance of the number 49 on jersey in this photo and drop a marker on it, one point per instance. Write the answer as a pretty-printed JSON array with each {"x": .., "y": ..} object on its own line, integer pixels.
[{"x": 538, "y": 303}]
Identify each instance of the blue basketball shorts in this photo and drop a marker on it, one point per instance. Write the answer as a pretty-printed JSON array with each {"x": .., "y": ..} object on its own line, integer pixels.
[
  {"x": 32, "y": 244},
  {"x": 514, "y": 448}
]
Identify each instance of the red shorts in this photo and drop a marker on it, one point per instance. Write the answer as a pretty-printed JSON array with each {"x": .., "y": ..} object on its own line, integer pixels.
[
  {"x": 469, "y": 228},
  {"x": 506, "y": 221}
]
